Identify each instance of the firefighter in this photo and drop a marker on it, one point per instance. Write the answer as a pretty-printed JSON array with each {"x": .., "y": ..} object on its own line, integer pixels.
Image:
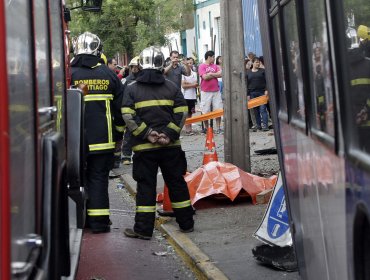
[
  {"x": 155, "y": 110},
  {"x": 103, "y": 124},
  {"x": 126, "y": 145},
  {"x": 359, "y": 69}
]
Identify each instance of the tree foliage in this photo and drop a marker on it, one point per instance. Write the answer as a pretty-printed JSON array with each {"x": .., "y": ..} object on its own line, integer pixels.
[{"x": 131, "y": 25}]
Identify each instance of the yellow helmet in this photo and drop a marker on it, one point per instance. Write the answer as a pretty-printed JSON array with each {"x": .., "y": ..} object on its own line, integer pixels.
[
  {"x": 363, "y": 32},
  {"x": 134, "y": 61}
]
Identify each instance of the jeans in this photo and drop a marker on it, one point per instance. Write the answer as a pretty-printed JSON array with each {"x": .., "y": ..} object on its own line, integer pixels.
[{"x": 260, "y": 111}]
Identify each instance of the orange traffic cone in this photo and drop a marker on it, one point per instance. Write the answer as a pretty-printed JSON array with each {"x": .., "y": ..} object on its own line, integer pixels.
[
  {"x": 210, "y": 153},
  {"x": 166, "y": 206}
]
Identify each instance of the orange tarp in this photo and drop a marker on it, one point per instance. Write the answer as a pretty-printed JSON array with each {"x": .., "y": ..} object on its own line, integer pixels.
[
  {"x": 219, "y": 113},
  {"x": 216, "y": 178}
]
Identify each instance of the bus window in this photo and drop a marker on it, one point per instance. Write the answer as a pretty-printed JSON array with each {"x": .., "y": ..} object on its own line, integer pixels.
[
  {"x": 357, "y": 19},
  {"x": 281, "y": 98},
  {"x": 295, "y": 87},
  {"x": 318, "y": 51}
]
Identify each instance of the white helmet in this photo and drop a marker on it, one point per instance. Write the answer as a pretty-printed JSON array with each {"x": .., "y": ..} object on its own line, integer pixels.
[
  {"x": 151, "y": 58},
  {"x": 88, "y": 43},
  {"x": 134, "y": 61}
]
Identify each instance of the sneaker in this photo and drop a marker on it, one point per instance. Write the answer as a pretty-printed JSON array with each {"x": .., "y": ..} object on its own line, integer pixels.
[
  {"x": 187, "y": 230},
  {"x": 265, "y": 129},
  {"x": 132, "y": 234}
]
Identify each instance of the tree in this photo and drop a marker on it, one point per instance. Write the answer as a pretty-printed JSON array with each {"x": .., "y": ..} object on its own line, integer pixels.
[{"x": 131, "y": 25}]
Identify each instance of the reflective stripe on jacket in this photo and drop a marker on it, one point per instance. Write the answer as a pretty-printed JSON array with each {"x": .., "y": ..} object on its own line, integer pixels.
[
  {"x": 103, "y": 120},
  {"x": 160, "y": 107}
]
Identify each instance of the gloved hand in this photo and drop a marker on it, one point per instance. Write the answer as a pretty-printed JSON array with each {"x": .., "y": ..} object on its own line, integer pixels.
[
  {"x": 163, "y": 139},
  {"x": 153, "y": 136}
]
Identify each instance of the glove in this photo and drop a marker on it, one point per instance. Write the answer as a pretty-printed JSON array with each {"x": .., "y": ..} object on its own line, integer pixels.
[
  {"x": 163, "y": 139},
  {"x": 153, "y": 136}
]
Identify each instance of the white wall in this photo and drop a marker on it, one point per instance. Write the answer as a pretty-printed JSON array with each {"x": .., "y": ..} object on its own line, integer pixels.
[
  {"x": 204, "y": 37},
  {"x": 175, "y": 42},
  {"x": 190, "y": 43}
]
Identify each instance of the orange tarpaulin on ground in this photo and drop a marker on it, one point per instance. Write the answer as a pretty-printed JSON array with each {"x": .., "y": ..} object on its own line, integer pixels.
[{"x": 217, "y": 177}]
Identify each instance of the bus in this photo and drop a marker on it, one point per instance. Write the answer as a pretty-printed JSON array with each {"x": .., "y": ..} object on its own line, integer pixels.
[
  {"x": 42, "y": 199},
  {"x": 317, "y": 59}
]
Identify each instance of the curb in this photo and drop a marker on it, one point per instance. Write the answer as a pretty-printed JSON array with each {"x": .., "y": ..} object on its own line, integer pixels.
[{"x": 199, "y": 262}]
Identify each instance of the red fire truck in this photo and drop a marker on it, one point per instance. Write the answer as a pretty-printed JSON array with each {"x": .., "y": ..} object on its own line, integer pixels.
[{"x": 41, "y": 155}]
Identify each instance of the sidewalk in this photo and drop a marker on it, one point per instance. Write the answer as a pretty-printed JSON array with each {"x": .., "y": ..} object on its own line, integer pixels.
[{"x": 220, "y": 246}]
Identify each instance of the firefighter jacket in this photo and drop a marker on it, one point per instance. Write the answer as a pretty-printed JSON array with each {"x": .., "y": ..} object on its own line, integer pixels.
[
  {"x": 359, "y": 67},
  {"x": 103, "y": 120},
  {"x": 153, "y": 103}
]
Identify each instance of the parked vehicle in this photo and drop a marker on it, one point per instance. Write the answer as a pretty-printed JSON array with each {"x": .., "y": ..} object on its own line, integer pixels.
[
  {"x": 41, "y": 139},
  {"x": 317, "y": 59}
]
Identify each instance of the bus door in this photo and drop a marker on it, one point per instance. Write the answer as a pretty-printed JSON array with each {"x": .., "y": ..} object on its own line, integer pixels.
[
  {"x": 25, "y": 238},
  {"x": 50, "y": 75},
  {"x": 37, "y": 145}
]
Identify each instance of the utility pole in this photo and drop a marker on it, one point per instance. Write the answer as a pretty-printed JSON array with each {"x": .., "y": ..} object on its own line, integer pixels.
[{"x": 237, "y": 150}]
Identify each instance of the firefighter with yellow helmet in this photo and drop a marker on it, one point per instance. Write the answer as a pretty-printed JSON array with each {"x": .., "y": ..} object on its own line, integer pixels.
[
  {"x": 359, "y": 74},
  {"x": 155, "y": 110},
  {"x": 103, "y": 124}
]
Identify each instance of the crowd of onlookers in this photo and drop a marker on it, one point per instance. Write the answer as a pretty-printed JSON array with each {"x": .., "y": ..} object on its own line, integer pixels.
[{"x": 202, "y": 84}]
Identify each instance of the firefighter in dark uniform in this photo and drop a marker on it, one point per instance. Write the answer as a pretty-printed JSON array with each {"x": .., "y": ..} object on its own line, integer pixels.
[
  {"x": 155, "y": 110},
  {"x": 359, "y": 69},
  {"x": 103, "y": 124}
]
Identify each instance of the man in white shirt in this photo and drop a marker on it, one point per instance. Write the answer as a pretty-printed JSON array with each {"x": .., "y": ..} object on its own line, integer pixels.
[{"x": 189, "y": 89}]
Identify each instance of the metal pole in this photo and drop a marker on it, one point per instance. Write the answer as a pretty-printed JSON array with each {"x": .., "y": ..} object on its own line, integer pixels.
[{"x": 236, "y": 121}]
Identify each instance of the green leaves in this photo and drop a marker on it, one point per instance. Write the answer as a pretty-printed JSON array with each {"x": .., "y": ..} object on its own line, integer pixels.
[{"x": 132, "y": 25}]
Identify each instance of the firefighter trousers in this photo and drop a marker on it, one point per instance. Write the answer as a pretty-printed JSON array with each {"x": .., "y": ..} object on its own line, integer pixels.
[
  {"x": 97, "y": 175},
  {"x": 173, "y": 165}
]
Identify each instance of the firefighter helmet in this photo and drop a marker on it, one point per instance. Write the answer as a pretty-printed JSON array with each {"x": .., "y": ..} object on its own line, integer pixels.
[
  {"x": 151, "y": 58},
  {"x": 363, "y": 32},
  {"x": 134, "y": 61},
  {"x": 88, "y": 43}
]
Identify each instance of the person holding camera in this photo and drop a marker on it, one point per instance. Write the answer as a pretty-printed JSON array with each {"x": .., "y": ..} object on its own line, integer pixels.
[{"x": 175, "y": 69}]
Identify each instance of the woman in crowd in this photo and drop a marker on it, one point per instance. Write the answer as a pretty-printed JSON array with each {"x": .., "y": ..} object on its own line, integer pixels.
[{"x": 256, "y": 81}]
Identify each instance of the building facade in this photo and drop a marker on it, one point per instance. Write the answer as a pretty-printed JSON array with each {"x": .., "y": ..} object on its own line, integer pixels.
[{"x": 206, "y": 32}]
